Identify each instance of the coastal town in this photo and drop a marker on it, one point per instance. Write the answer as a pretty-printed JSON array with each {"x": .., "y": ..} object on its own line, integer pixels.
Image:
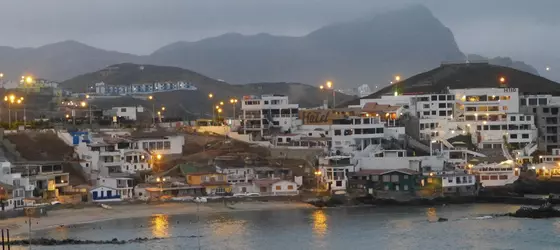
[{"x": 390, "y": 144}]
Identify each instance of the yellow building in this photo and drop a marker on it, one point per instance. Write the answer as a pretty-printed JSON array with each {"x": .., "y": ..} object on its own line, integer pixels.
[{"x": 214, "y": 183}]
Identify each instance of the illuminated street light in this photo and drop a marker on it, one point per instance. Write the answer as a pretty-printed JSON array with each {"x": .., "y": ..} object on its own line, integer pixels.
[
  {"x": 502, "y": 79},
  {"x": 87, "y": 96},
  {"x": 67, "y": 116},
  {"x": 162, "y": 108},
  {"x": 150, "y": 97},
  {"x": 321, "y": 87},
  {"x": 397, "y": 78},
  {"x": 83, "y": 104},
  {"x": 158, "y": 156},
  {"x": 29, "y": 79},
  {"x": 329, "y": 84},
  {"x": 547, "y": 69},
  {"x": 217, "y": 107},
  {"x": 219, "y": 110},
  {"x": 221, "y": 103},
  {"x": 210, "y": 95},
  {"x": 1, "y": 75}
]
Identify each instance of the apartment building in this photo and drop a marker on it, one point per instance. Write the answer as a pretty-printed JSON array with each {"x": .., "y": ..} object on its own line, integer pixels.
[
  {"x": 546, "y": 110},
  {"x": 266, "y": 113}
]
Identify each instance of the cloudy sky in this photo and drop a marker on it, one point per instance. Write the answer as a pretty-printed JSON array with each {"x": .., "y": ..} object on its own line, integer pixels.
[{"x": 519, "y": 28}]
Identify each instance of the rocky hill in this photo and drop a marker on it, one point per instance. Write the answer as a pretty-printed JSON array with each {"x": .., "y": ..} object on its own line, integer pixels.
[
  {"x": 469, "y": 75},
  {"x": 192, "y": 103}
]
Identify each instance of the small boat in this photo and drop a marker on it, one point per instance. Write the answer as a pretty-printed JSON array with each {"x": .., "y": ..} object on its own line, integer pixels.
[{"x": 106, "y": 206}]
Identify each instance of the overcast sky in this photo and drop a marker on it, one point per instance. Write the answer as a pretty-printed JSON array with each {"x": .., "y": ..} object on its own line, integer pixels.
[{"x": 518, "y": 28}]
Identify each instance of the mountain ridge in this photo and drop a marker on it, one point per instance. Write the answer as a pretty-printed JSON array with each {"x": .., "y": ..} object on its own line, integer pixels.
[{"x": 366, "y": 51}]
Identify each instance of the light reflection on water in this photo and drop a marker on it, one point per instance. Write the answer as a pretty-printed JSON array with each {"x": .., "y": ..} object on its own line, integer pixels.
[
  {"x": 160, "y": 226},
  {"x": 356, "y": 228},
  {"x": 320, "y": 225}
]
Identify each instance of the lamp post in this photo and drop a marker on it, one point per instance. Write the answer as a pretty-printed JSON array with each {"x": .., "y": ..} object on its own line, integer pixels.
[
  {"x": 233, "y": 102},
  {"x": 210, "y": 96},
  {"x": 151, "y": 98}
]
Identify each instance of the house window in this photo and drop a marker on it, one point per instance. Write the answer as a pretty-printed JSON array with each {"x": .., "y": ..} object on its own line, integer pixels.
[
  {"x": 405, "y": 187},
  {"x": 339, "y": 183},
  {"x": 386, "y": 187},
  {"x": 123, "y": 109},
  {"x": 166, "y": 145},
  {"x": 290, "y": 187},
  {"x": 278, "y": 188},
  {"x": 394, "y": 178},
  {"x": 386, "y": 178},
  {"x": 337, "y": 132},
  {"x": 375, "y": 177},
  {"x": 405, "y": 177}
]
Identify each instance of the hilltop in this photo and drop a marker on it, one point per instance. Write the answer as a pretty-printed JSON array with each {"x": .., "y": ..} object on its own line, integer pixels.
[
  {"x": 192, "y": 103},
  {"x": 469, "y": 75}
]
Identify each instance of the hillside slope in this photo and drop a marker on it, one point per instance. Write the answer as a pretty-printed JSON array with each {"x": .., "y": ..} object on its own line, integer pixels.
[
  {"x": 192, "y": 103},
  {"x": 472, "y": 75}
]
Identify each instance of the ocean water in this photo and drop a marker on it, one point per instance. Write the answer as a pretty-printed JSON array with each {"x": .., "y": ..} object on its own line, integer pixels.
[{"x": 339, "y": 228}]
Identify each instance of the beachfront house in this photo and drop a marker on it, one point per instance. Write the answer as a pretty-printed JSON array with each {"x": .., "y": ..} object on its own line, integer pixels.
[
  {"x": 276, "y": 187},
  {"x": 371, "y": 180},
  {"x": 104, "y": 194},
  {"x": 213, "y": 183},
  {"x": 449, "y": 183}
]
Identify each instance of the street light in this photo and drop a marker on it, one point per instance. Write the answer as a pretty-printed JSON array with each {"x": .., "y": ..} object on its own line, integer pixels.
[
  {"x": 318, "y": 177},
  {"x": 233, "y": 102},
  {"x": 210, "y": 95},
  {"x": 83, "y": 104},
  {"x": 162, "y": 108},
  {"x": 502, "y": 79},
  {"x": 221, "y": 103},
  {"x": 158, "y": 157},
  {"x": 151, "y": 98},
  {"x": 330, "y": 85},
  {"x": 397, "y": 78},
  {"x": 29, "y": 79},
  {"x": 321, "y": 87}
]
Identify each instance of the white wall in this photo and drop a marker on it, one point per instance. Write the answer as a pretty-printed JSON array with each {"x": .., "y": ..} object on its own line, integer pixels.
[{"x": 284, "y": 187}]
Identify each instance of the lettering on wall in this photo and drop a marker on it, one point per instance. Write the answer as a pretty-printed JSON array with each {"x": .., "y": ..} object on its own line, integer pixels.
[
  {"x": 510, "y": 90},
  {"x": 316, "y": 117}
]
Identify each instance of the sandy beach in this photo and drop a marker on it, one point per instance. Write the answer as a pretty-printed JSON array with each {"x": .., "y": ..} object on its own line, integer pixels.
[{"x": 66, "y": 217}]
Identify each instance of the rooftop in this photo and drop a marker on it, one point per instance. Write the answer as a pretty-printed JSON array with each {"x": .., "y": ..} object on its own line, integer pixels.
[{"x": 364, "y": 172}]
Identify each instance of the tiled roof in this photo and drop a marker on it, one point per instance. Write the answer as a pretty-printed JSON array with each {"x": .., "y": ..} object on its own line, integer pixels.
[
  {"x": 385, "y": 171},
  {"x": 374, "y": 107}
]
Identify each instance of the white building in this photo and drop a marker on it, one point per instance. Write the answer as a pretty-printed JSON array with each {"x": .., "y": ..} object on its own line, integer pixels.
[
  {"x": 104, "y": 194},
  {"x": 262, "y": 114},
  {"x": 128, "y": 113},
  {"x": 122, "y": 186},
  {"x": 334, "y": 172},
  {"x": 20, "y": 186},
  {"x": 488, "y": 114}
]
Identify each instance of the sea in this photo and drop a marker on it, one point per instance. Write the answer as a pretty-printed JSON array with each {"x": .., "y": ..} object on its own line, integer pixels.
[{"x": 350, "y": 228}]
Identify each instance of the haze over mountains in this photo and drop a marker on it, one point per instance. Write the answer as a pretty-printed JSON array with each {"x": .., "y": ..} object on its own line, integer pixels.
[{"x": 367, "y": 51}]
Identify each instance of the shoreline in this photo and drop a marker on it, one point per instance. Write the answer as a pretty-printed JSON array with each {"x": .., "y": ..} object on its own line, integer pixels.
[{"x": 70, "y": 217}]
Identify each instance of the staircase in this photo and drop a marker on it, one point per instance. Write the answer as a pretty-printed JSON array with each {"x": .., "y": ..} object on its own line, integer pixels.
[
  {"x": 506, "y": 153},
  {"x": 413, "y": 143}
]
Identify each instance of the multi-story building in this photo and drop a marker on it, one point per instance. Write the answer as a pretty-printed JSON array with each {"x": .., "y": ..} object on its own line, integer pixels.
[
  {"x": 546, "y": 111},
  {"x": 490, "y": 115},
  {"x": 352, "y": 129},
  {"x": 262, "y": 115},
  {"x": 45, "y": 176},
  {"x": 129, "y": 113}
]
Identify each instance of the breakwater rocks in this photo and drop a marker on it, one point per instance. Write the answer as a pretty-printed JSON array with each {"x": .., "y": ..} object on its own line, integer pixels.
[
  {"x": 54, "y": 242},
  {"x": 536, "y": 213}
]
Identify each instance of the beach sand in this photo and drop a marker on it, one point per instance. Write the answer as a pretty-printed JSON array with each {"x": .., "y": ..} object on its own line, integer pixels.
[{"x": 65, "y": 217}]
